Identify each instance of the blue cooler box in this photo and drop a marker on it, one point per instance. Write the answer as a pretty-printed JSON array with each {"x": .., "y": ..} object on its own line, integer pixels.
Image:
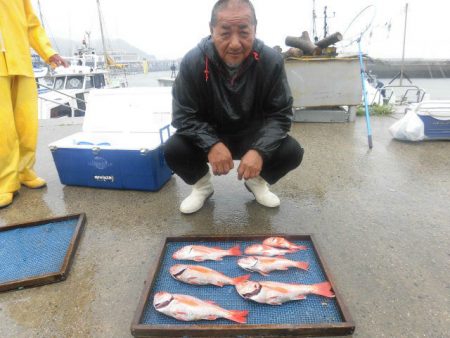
[
  {"x": 435, "y": 116},
  {"x": 120, "y": 146}
]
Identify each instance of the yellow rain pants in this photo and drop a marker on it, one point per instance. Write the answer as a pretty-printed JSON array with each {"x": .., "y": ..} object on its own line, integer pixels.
[
  {"x": 19, "y": 29},
  {"x": 19, "y": 126}
]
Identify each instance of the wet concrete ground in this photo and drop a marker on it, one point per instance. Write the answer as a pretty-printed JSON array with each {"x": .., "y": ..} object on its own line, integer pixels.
[{"x": 380, "y": 217}]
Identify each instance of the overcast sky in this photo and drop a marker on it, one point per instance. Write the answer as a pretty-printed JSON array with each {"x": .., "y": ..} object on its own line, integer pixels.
[{"x": 169, "y": 28}]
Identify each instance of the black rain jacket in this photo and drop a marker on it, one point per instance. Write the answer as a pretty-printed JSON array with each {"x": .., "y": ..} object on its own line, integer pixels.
[{"x": 208, "y": 104}]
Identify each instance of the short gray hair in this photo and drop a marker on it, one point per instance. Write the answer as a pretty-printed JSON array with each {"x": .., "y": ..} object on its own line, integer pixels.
[{"x": 222, "y": 4}]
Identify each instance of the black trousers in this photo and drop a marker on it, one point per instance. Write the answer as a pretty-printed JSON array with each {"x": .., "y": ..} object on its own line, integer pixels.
[{"x": 190, "y": 162}]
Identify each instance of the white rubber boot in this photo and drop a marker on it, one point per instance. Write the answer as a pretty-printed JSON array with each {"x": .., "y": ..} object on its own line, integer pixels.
[
  {"x": 260, "y": 189},
  {"x": 201, "y": 191}
]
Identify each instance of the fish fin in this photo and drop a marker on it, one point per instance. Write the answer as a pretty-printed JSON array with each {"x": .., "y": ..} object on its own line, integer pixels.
[
  {"x": 211, "y": 302},
  {"x": 211, "y": 317},
  {"x": 273, "y": 301},
  {"x": 292, "y": 250},
  {"x": 219, "y": 284},
  {"x": 240, "y": 279},
  {"x": 192, "y": 280},
  {"x": 302, "y": 265},
  {"x": 323, "y": 289},
  {"x": 300, "y": 247},
  {"x": 263, "y": 273},
  {"x": 217, "y": 247},
  {"x": 300, "y": 297},
  {"x": 283, "y": 269},
  {"x": 198, "y": 259},
  {"x": 238, "y": 316},
  {"x": 235, "y": 251},
  {"x": 180, "y": 316}
]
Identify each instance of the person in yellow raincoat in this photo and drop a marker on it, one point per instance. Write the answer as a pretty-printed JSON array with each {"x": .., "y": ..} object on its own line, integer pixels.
[{"x": 20, "y": 29}]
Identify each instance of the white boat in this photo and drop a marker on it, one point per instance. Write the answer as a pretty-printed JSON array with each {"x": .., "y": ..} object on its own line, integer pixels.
[{"x": 64, "y": 92}]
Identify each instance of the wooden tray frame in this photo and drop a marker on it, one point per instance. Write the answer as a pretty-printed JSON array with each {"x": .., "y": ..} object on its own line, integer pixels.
[
  {"x": 67, "y": 263},
  {"x": 346, "y": 327}
]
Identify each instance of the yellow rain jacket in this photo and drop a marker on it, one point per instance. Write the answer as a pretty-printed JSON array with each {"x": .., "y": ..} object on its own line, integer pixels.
[{"x": 20, "y": 29}]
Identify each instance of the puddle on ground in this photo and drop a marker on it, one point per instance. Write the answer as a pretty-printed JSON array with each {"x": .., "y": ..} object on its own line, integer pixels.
[{"x": 57, "y": 310}]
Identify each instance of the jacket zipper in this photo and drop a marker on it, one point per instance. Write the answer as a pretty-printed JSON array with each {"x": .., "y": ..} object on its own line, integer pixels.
[{"x": 241, "y": 70}]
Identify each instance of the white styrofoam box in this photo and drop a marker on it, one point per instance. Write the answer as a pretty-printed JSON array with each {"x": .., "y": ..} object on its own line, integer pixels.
[{"x": 130, "y": 110}]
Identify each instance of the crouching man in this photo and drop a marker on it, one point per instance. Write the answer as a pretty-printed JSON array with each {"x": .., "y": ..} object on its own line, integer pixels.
[{"x": 231, "y": 100}]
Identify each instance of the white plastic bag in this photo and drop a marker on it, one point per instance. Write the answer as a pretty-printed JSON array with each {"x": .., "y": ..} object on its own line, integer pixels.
[{"x": 408, "y": 128}]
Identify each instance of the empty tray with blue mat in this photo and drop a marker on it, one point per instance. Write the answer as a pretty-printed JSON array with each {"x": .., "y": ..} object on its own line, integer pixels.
[
  {"x": 313, "y": 316},
  {"x": 38, "y": 253}
]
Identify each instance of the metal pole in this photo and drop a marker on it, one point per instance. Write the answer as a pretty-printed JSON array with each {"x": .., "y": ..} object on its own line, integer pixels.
[
  {"x": 366, "y": 106},
  {"x": 314, "y": 21},
  {"x": 40, "y": 14},
  {"x": 62, "y": 104},
  {"x": 404, "y": 42},
  {"x": 103, "y": 35}
]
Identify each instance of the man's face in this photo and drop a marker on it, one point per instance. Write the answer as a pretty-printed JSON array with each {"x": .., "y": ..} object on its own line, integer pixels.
[{"x": 234, "y": 34}]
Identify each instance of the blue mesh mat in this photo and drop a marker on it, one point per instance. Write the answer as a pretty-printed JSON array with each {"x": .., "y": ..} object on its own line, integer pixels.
[
  {"x": 312, "y": 310},
  {"x": 34, "y": 251}
]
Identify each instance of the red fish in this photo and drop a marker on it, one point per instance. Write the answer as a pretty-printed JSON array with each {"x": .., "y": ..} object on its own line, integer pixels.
[
  {"x": 275, "y": 293},
  {"x": 264, "y": 265},
  {"x": 280, "y": 242},
  {"x": 265, "y": 250},
  {"x": 201, "y": 275},
  {"x": 200, "y": 253},
  {"x": 188, "y": 308}
]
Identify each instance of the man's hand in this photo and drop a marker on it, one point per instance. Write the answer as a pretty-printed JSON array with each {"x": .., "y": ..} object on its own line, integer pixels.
[
  {"x": 57, "y": 60},
  {"x": 220, "y": 159},
  {"x": 250, "y": 166}
]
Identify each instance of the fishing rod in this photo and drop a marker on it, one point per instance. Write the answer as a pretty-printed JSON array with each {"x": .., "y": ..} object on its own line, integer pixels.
[{"x": 361, "y": 25}]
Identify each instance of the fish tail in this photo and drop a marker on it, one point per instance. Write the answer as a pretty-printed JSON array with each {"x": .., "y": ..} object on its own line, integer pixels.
[
  {"x": 240, "y": 279},
  {"x": 235, "y": 251},
  {"x": 238, "y": 316},
  {"x": 302, "y": 265},
  {"x": 323, "y": 289}
]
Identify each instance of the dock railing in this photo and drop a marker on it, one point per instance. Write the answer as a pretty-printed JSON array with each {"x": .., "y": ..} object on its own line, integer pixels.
[
  {"x": 81, "y": 103},
  {"x": 408, "y": 94}
]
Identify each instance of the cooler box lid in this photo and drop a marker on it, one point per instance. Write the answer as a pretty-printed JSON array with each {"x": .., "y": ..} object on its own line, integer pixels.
[
  {"x": 112, "y": 141},
  {"x": 438, "y": 109},
  {"x": 128, "y": 110}
]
